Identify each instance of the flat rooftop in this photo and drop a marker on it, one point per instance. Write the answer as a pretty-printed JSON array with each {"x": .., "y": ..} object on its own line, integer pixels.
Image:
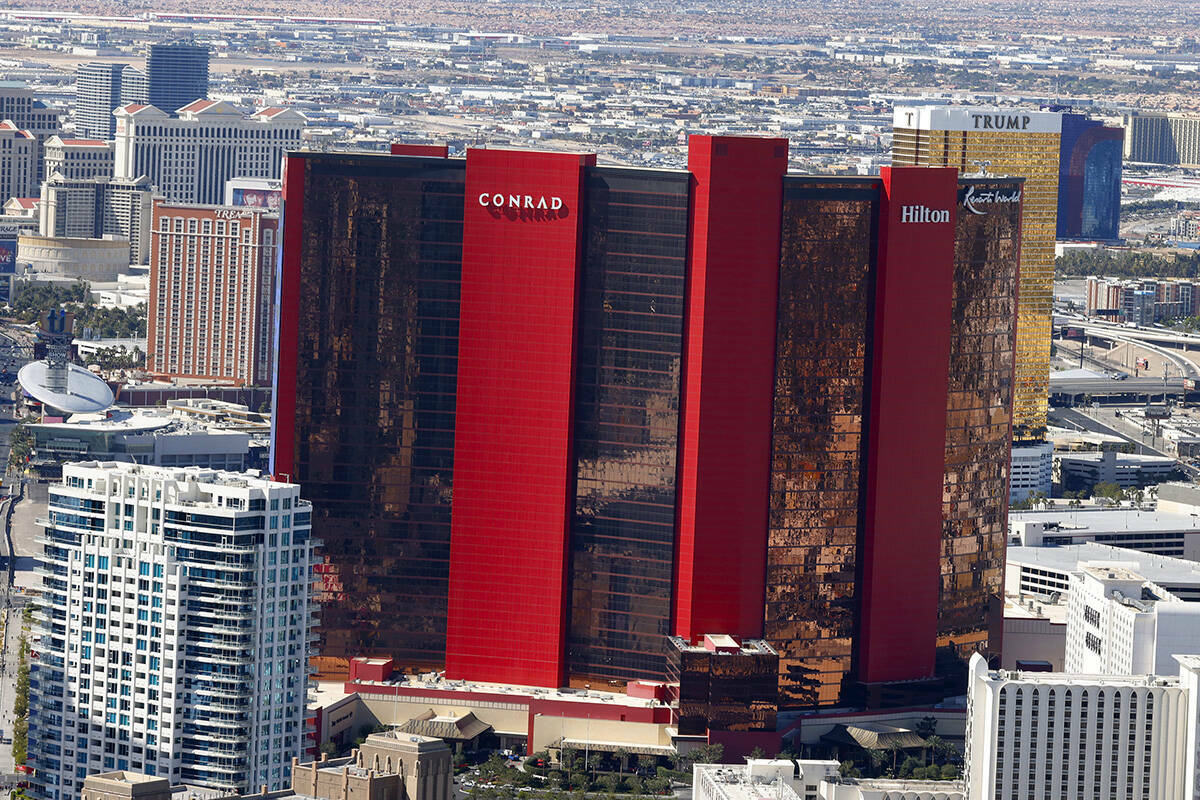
[
  {"x": 1088, "y": 521},
  {"x": 1082, "y": 679},
  {"x": 734, "y": 784},
  {"x": 1015, "y": 608},
  {"x": 518, "y": 693},
  {"x": 1163, "y": 570},
  {"x": 1112, "y": 573}
]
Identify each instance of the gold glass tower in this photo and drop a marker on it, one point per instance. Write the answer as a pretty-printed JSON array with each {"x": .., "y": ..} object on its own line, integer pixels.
[{"x": 1015, "y": 143}]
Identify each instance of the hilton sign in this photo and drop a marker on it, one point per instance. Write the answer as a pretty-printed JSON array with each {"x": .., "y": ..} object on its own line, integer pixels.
[{"x": 910, "y": 214}]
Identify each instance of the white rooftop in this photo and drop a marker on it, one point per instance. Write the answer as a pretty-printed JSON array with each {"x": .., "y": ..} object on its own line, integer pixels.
[
  {"x": 438, "y": 683},
  {"x": 1163, "y": 570},
  {"x": 1080, "y": 521}
]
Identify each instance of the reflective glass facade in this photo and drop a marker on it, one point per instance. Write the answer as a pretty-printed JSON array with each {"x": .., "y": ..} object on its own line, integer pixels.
[
  {"x": 826, "y": 284},
  {"x": 378, "y": 273},
  {"x": 384, "y": 340},
  {"x": 978, "y": 422},
  {"x": 1089, "y": 179},
  {"x": 1019, "y": 154},
  {"x": 626, "y": 422},
  {"x": 723, "y": 689}
]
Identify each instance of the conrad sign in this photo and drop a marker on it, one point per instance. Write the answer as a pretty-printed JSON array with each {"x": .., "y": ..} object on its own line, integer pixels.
[{"x": 521, "y": 202}]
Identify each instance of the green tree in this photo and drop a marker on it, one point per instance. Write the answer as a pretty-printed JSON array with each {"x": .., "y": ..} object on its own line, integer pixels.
[
  {"x": 848, "y": 770},
  {"x": 895, "y": 749},
  {"x": 20, "y": 442},
  {"x": 610, "y": 783},
  {"x": 707, "y": 754},
  {"x": 757, "y": 752},
  {"x": 1108, "y": 491},
  {"x": 658, "y": 785},
  {"x": 20, "y": 745}
]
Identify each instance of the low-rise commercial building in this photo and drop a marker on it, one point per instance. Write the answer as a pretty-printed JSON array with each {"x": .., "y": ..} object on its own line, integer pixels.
[
  {"x": 90, "y": 259},
  {"x": 386, "y": 766},
  {"x": 639, "y": 720},
  {"x": 141, "y": 436},
  {"x": 1046, "y": 571},
  {"x": 1159, "y": 531},
  {"x": 808, "y": 780},
  {"x": 1128, "y": 470}
]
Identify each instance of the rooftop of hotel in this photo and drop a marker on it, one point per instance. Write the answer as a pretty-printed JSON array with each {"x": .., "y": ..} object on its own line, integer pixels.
[{"x": 1083, "y": 679}]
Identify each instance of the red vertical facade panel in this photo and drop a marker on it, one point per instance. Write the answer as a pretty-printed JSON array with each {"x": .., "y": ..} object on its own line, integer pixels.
[
  {"x": 287, "y": 301},
  {"x": 434, "y": 150},
  {"x": 513, "y": 468},
  {"x": 728, "y": 384},
  {"x": 902, "y": 537}
]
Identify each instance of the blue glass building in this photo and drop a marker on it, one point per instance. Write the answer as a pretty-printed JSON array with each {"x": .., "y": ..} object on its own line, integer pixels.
[{"x": 1089, "y": 179}]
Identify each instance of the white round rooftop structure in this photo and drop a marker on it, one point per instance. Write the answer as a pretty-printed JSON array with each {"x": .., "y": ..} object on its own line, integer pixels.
[{"x": 85, "y": 392}]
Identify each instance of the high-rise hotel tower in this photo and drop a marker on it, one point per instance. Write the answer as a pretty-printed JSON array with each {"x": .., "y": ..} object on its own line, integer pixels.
[
  {"x": 1018, "y": 143},
  {"x": 552, "y": 415}
]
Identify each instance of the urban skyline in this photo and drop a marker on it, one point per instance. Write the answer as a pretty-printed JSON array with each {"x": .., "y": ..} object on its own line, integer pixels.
[{"x": 605, "y": 389}]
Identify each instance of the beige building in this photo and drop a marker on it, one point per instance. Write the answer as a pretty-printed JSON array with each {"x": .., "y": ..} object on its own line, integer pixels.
[
  {"x": 1018, "y": 143},
  {"x": 90, "y": 259},
  {"x": 386, "y": 767},
  {"x": 18, "y": 162},
  {"x": 77, "y": 159},
  {"x": 1162, "y": 139},
  {"x": 125, "y": 786}
]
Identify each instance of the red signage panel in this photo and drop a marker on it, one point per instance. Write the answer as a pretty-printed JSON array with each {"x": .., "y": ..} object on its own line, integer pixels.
[
  {"x": 513, "y": 469},
  {"x": 728, "y": 384},
  {"x": 901, "y": 549},
  {"x": 433, "y": 150}
]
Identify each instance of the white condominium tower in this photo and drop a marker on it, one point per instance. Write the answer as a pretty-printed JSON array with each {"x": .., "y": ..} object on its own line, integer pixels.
[
  {"x": 175, "y": 623},
  {"x": 189, "y": 157}
]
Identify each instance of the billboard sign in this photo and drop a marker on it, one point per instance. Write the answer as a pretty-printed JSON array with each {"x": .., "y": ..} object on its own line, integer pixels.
[
  {"x": 8, "y": 249},
  {"x": 255, "y": 198}
]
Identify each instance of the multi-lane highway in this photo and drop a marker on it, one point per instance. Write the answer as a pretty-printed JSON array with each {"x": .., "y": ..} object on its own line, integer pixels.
[{"x": 1104, "y": 385}]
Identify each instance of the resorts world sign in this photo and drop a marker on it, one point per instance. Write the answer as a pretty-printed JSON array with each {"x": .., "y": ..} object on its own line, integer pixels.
[{"x": 973, "y": 198}]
